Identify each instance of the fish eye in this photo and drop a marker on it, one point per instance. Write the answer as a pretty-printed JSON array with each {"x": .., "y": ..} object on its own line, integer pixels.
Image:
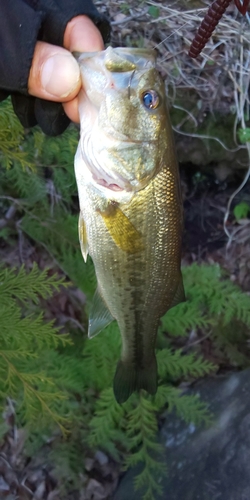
[{"x": 150, "y": 99}]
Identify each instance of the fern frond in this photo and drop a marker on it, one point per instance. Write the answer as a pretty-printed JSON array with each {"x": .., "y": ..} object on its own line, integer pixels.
[
  {"x": 67, "y": 369},
  {"x": 25, "y": 184},
  {"x": 55, "y": 151},
  {"x": 100, "y": 357},
  {"x": 23, "y": 285},
  {"x": 106, "y": 425},
  {"x": 59, "y": 235},
  {"x": 185, "y": 317},
  {"x": 57, "y": 154},
  {"x": 17, "y": 331},
  {"x": 81, "y": 273},
  {"x": 142, "y": 428},
  {"x": 146, "y": 482},
  {"x": 11, "y": 135},
  {"x": 206, "y": 288},
  {"x": 25, "y": 340},
  {"x": 189, "y": 407},
  {"x": 173, "y": 365},
  {"x": 39, "y": 406},
  {"x": 232, "y": 341},
  {"x": 68, "y": 457}
]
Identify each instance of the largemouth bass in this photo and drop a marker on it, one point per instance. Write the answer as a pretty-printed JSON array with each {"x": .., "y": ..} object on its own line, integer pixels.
[{"x": 130, "y": 205}]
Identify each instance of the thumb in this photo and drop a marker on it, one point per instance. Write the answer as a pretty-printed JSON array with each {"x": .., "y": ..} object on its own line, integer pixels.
[{"x": 54, "y": 73}]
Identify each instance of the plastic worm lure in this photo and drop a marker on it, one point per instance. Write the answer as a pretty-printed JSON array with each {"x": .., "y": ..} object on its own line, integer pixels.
[{"x": 210, "y": 21}]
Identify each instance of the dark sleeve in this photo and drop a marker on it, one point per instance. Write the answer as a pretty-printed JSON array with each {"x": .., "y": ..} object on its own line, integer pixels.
[
  {"x": 22, "y": 23},
  {"x": 19, "y": 28}
]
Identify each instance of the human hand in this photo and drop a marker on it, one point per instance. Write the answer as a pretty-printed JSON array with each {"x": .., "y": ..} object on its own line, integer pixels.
[
  {"x": 55, "y": 74},
  {"x": 37, "y": 68}
]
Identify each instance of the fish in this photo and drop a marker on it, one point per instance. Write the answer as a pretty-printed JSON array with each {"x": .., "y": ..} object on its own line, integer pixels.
[{"x": 131, "y": 215}]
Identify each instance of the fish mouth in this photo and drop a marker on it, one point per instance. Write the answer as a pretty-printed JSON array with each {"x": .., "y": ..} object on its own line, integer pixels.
[
  {"x": 104, "y": 179},
  {"x": 111, "y": 180},
  {"x": 108, "y": 185}
]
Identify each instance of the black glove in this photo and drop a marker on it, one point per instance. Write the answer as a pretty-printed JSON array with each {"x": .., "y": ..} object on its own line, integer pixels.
[{"x": 22, "y": 23}]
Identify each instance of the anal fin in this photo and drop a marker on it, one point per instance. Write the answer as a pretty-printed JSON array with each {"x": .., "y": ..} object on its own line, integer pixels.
[{"x": 99, "y": 317}]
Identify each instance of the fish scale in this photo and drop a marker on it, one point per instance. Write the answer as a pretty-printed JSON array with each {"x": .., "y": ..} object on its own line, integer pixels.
[{"x": 132, "y": 218}]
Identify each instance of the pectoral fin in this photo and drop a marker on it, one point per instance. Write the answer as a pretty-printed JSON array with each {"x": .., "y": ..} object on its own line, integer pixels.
[
  {"x": 83, "y": 237},
  {"x": 99, "y": 317},
  {"x": 121, "y": 230}
]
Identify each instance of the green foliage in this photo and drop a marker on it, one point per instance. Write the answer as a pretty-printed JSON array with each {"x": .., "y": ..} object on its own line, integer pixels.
[
  {"x": 132, "y": 428},
  {"x": 241, "y": 210},
  {"x": 173, "y": 365},
  {"x": 189, "y": 317},
  {"x": 11, "y": 135},
  {"x": 244, "y": 135},
  {"x": 22, "y": 378},
  {"x": 107, "y": 425},
  {"x": 100, "y": 357},
  {"x": 68, "y": 380},
  {"x": 125, "y": 8},
  {"x": 43, "y": 197},
  {"x": 23, "y": 182},
  {"x": 142, "y": 427},
  {"x": 214, "y": 305},
  {"x": 154, "y": 11},
  {"x": 23, "y": 286},
  {"x": 189, "y": 408}
]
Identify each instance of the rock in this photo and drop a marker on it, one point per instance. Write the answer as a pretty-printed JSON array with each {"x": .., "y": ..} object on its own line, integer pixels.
[
  {"x": 207, "y": 464},
  {"x": 119, "y": 18},
  {"x": 95, "y": 490},
  {"x": 101, "y": 457}
]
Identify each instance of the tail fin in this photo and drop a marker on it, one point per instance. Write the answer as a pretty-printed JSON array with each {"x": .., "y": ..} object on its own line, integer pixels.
[{"x": 130, "y": 378}]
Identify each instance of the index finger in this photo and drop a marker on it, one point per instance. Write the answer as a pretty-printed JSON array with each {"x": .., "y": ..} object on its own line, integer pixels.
[{"x": 82, "y": 35}]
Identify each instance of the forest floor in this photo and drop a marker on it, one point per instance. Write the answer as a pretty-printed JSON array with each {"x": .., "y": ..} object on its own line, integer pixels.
[{"x": 170, "y": 29}]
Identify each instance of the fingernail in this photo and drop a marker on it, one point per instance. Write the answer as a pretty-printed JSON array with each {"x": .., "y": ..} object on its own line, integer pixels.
[{"x": 60, "y": 75}]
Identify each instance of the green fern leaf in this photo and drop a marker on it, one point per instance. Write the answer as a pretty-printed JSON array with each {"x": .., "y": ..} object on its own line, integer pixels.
[
  {"x": 142, "y": 429},
  {"x": 173, "y": 365},
  {"x": 190, "y": 408},
  {"x": 11, "y": 135},
  {"x": 104, "y": 426},
  {"x": 183, "y": 318},
  {"x": 24, "y": 286}
]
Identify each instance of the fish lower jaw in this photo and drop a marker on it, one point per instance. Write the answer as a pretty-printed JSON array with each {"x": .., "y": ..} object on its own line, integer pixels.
[
  {"x": 111, "y": 190},
  {"x": 111, "y": 185},
  {"x": 102, "y": 178},
  {"x": 114, "y": 189},
  {"x": 114, "y": 181}
]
